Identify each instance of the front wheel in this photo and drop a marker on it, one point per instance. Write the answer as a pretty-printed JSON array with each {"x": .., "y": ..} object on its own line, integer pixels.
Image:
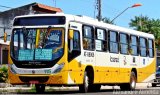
[
  {"x": 87, "y": 82},
  {"x": 154, "y": 84},
  {"x": 96, "y": 87},
  {"x": 40, "y": 88}
]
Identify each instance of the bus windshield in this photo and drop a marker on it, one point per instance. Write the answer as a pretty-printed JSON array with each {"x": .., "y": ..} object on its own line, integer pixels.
[{"x": 37, "y": 44}]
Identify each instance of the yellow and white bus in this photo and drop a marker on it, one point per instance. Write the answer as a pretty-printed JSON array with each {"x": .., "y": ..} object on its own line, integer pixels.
[{"x": 67, "y": 50}]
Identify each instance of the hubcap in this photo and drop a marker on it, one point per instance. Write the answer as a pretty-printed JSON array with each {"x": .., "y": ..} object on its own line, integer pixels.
[
  {"x": 86, "y": 82},
  {"x": 133, "y": 82}
]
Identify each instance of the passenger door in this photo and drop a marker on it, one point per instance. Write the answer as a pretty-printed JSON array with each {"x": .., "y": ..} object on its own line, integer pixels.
[{"x": 74, "y": 54}]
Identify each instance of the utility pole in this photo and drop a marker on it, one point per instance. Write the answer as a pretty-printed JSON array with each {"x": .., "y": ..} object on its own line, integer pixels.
[
  {"x": 54, "y": 1},
  {"x": 99, "y": 17}
]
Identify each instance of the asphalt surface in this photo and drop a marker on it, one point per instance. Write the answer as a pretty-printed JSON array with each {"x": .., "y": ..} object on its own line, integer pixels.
[{"x": 141, "y": 89}]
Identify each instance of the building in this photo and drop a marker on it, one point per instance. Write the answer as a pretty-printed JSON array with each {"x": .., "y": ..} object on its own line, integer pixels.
[
  {"x": 6, "y": 18},
  {"x": 4, "y": 46}
]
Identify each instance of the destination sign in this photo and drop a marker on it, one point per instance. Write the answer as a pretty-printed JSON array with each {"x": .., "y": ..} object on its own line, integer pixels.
[
  {"x": 43, "y": 54},
  {"x": 25, "y": 55}
]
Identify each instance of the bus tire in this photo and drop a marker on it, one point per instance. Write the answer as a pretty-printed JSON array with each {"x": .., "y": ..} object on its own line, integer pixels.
[
  {"x": 40, "y": 88},
  {"x": 154, "y": 84},
  {"x": 96, "y": 87},
  {"x": 132, "y": 84},
  {"x": 87, "y": 83}
]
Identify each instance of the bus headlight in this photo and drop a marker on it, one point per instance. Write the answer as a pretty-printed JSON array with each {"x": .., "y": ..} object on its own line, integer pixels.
[{"x": 58, "y": 68}]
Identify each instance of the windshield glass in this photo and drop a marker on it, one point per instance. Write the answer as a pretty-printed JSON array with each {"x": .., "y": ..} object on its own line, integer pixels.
[{"x": 37, "y": 44}]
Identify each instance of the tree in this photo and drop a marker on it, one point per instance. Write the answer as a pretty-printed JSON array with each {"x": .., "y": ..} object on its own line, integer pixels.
[
  {"x": 154, "y": 28},
  {"x": 107, "y": 20},
  {"x": 140, "y": 23},
  {"x": 144, "y": 24}
]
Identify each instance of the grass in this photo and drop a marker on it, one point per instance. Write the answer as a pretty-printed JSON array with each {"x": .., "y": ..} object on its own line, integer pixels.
[{"x": 33, "y": 89}]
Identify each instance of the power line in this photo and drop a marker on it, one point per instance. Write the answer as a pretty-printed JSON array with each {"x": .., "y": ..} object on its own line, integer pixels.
[
  {"x": 54, "y": 1},
  {"x": 5, "y": 6},
  {"x": 13, "y": 8}
]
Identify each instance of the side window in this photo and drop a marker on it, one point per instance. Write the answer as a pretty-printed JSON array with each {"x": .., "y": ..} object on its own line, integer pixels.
[
  {"x": 143, "y": 47},
  {"x": 151, "y": 48},
  {"x": 76, "y": 40},
  {"x": 101, "y": 40},
  {"x": 134, "y": 45},
  {"x": 74, "y": 48},
  {"x": 113, "y": 42},
  {"x": 123, "y": 43},
  {"x": 88, "y": 38}
]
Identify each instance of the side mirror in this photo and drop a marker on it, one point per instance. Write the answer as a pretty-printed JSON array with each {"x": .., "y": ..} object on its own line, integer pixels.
[
  {"x": 71, "y": 32},
  {"x": 5, "y": 37}
]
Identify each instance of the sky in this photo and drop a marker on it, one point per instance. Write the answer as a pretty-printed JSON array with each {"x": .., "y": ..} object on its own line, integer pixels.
[{"x": 110, "y": 8}]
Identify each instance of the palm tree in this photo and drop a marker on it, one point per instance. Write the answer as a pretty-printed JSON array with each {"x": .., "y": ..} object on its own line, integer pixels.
[
  {"x": 154, "y": 28},
  {"x": 144, "y": 24},
  {"x": 140, "y": 23}
]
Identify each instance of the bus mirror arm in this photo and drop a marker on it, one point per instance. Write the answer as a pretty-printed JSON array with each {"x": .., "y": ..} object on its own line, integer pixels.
[
  {"x": 5, "y": 37},
  {"x": 71, "y": 32}
]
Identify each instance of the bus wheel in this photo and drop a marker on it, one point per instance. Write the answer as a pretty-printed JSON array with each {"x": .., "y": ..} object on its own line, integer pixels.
[
  {"x": 133, "y": 81},
  {"x": 96, "y": 87},
  {"x": 131, "y": 85},
  {"x": 154, "y": 84},
  {"x": 40, "y": 88},
  {"x": 86, "y": 86}
]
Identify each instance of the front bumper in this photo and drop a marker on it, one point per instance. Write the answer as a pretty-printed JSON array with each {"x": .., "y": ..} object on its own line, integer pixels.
[{"x": 50, "y": 79}]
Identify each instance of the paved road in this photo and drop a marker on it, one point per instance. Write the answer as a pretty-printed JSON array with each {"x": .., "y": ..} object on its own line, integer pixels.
[{"x": 141, "y": 89}]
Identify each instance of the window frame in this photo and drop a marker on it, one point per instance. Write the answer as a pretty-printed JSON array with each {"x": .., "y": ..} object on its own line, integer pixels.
[
  {"x": 122, "y": 43},
  {"x": 117, "y": 41},
  {"x": 105, "y": 40},
  {"x": 151, "y": 48},
  {"x": 79, "y": 39},
  {"x": 137, "y": 45},
  {"x": 92, "y": 38},
  {"x": 140, "y": 47}
]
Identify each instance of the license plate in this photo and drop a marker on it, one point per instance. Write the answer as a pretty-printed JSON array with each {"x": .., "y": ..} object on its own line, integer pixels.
[{"x": 34, "y": 82}]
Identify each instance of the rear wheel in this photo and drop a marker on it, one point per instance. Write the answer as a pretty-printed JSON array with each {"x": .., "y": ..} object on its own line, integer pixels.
[
  {"x": 132, "y": 84},
  {"x": 40, "y": 88}
]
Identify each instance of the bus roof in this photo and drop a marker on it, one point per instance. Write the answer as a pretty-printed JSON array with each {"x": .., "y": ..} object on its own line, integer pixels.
[{"x": 94, "y": 22}]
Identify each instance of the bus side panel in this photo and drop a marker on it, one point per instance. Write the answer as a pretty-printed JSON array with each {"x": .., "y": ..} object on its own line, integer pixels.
[
  {"x": 76, "y": 72},
  {"x": 125, "y": 68},
  {"x": 106, "y": 70}
]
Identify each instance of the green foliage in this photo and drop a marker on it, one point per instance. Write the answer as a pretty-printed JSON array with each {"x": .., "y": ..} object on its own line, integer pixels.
[
  {"x": 140, "y": 23},
  {"x": 33, "y": 89},
  {"x": 107, "y": 20},
  {"x": 145, "y": 24},
  {"x": 3, "y": 74}
]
